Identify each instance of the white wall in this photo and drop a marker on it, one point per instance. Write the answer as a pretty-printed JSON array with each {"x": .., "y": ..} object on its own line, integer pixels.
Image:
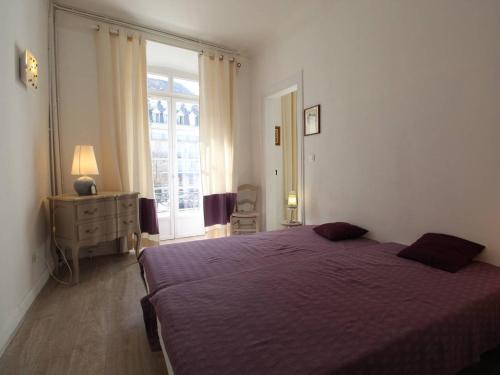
[
  {"x": 77, "y": 91},
  {"x": 244, "y": 150},
  {"x": 410, "y": 128},
  {"x": 24, "y": 162}
]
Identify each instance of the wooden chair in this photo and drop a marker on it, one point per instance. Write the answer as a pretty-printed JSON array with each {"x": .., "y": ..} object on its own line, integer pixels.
[{"x": 245, "y": 219}]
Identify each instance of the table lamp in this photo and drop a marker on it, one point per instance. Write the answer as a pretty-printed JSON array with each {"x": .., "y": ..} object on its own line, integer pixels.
[
  {"x": 292, "y": 204},
  {"x": 84, "y": 164}
]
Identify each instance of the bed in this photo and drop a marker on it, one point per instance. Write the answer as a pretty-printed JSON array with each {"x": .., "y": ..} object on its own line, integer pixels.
[
  {"x": 348, "y": 310},
  {"x": 174, "y": 264},
  {"x": 196, "y": 260}
]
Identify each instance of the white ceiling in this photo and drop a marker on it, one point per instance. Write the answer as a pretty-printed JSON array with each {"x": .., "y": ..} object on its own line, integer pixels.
[{"x": 241, "y": 25}]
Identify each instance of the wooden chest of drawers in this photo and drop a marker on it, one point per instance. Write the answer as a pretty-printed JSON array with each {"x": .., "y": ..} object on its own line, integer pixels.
[{"x": 78, "y": 222}]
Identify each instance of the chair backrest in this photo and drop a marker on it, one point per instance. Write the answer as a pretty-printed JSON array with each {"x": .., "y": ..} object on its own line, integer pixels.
[{"x": 246, "y": 199}]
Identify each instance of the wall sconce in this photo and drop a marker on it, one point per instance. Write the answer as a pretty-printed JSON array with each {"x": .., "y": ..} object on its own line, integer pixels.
[{"x": 28, "y": 69}]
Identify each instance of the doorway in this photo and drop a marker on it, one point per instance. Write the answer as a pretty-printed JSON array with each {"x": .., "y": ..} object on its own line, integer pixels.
[
  {"x": 283, "y": 144},
  {"x": 173, "y": 111}
]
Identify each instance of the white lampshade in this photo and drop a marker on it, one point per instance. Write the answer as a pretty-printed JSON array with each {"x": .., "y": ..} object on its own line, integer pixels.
[
  {"x": 84, "y": 162},
  {"x": 292, "y": 199}
]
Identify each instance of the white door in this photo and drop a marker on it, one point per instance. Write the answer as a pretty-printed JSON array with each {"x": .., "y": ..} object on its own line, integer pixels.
[
  {"x": 276, "y": 196},
  {"x": 273, "y": 165},
  {"x": 188, "y": 210},
  {"x": 174, "y": 135},
  {"x": 160, "y": 132}
]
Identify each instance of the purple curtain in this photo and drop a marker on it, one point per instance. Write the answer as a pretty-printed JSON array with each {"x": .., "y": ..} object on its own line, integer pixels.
[
  {"x": 217, "y": 208},
  {"x": 147, "y": 216}
]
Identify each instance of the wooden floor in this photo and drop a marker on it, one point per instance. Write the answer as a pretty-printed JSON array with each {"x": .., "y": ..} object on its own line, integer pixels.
[{"x": 95, "y": 327}]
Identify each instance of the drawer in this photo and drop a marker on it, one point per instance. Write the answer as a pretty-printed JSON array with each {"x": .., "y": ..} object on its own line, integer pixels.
[
  {"x": 127, "y": 224},
  {"x": 127, "y": 206},
  {"x": 97, "y": 230},
  {"x": 96, "y": 209}
]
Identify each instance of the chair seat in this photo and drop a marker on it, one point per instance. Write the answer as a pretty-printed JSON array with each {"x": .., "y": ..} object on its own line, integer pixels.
[{"x": 245, "y": 214}]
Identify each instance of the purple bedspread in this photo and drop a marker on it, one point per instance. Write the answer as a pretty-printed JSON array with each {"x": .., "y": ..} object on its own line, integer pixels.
[
  {"x": 173, "y": 264},
  {"x": 169, "y": 265},
  {"x": 352, "y": 311}
]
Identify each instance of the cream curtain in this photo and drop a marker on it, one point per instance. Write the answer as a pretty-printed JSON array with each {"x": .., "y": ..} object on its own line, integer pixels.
[
  {"x": 289, "y": 126},
  {"x": 217, "y": 139},
  {"x": 217, "y": 129},
  {"x": 122, "y": 77},
  {"x": 55, "y": 150}
]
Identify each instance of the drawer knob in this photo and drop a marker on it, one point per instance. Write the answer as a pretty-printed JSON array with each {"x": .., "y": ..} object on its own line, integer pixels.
[
  {"x": 91, "y": 212},
  {"x": 128, "y": 222},
  {"x": 92, "y": 230},
  {"x": 127, "y": 205}
]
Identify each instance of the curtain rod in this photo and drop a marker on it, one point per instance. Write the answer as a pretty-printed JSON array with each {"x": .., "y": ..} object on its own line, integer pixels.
[
  {"x": 194, "y": 44},
  {"x": 201, "y": 52}
]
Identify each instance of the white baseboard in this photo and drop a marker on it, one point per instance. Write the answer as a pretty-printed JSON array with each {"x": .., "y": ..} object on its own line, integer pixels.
[{"x": 16, "y": 317}]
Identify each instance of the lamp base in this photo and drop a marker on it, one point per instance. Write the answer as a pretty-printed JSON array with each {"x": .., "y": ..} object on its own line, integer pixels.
[
  {"x": 83, "y": 185},
  {"x": 292, "y": 211}
]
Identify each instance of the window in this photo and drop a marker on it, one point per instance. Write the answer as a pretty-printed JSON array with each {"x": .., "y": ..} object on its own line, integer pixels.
[
  {"x": 187, "y": 114},
  {"x": 157, "y": 83},
  {"x": 188, "y": 154},
  {"x": 186, "y": 87},
  {"x": 179, "y": 138}
]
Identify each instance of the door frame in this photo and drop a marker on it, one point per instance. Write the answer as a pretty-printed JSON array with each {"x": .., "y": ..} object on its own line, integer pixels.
[
  {"x": 172, "y": 98},
  {"x": 278, "y": 89}
]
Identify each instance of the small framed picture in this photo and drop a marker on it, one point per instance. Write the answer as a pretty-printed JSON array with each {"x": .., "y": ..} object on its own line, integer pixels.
[
  {"x": 312, "y": 120},
  {"x": 277, "y": 135}
]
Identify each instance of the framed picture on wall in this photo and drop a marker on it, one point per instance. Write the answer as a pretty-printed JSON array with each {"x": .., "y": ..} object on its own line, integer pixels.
[{"x": 312, "y": 120}]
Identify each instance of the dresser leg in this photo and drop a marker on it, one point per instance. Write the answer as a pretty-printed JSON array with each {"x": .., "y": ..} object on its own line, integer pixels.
[
  {"x": 75, "y": 251},
  {"x": 137, "y": 243},
  {"x": 122, "y": 245},
  {"x": 55, "y": 256}
]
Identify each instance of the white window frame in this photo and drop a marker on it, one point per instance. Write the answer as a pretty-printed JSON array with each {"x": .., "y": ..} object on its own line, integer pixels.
[
  {"x": 154, "y": 94},
  {"x": 171, "y": 74},
  {"x": 172, "y": 98}
]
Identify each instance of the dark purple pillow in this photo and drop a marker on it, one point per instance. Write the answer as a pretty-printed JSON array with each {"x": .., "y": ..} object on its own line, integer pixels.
[
  {"x": 442, "y": 251},
  {"x": 339, "y": 231}
]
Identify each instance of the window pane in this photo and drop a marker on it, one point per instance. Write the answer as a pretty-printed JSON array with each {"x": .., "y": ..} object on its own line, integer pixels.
[
  {"x": 157, "y": 83},
  {"x": 188, "y": 155},
  {"x": 186, "y": 86},
  {"x": 162, "y": 199},
  {"x": 158, "y": 122},
  {"x": 160, "y": 184},
  {"x": 189, "y": 198},
  {"x": 157, "y": 111},
  {"x": 187, "y": 114},
  {"x": 159, "y": 143}
]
